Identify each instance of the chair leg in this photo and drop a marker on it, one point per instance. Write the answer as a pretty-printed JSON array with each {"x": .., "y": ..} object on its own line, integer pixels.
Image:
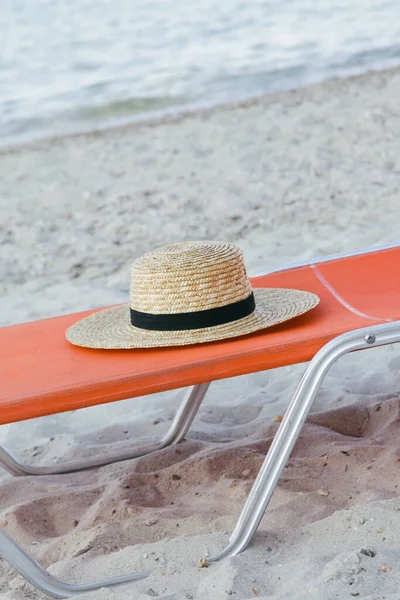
[
  {"x": 43, "y": 581},
  {"x": 179, "y": 428},
  {"x": 292, "y": 424}
]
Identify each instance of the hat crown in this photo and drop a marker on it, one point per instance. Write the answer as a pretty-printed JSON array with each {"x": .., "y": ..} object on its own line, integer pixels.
[{"x": 189, "y": 277}]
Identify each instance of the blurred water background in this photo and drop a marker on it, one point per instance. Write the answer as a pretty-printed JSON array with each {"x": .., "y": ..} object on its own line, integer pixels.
[{"x": 72, "y": 65}]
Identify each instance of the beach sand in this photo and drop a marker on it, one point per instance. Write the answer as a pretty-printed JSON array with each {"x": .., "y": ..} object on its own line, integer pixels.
[{"x": 289, "y": 176}]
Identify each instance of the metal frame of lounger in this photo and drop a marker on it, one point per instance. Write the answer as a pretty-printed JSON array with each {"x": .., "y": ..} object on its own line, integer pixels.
[
  {"x": 267, "y": 479},
  {"x": 177, "y": 431},
  {"x": 184, "y": 416}
]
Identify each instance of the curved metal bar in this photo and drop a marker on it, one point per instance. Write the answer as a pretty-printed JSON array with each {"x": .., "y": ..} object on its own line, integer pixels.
[
  {"x": 43, "y": 581},
  {"x": 27, "y": 567},
  {"x": 179, "y": 428},
  {"x": 289, "y": 430}
]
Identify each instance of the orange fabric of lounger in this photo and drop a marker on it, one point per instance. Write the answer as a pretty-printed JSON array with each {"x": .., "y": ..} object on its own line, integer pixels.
[{"x": 41, "y": 373}]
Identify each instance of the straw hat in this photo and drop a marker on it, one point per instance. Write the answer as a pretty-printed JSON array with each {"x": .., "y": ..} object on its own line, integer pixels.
[{"x": 189, "y": 293}]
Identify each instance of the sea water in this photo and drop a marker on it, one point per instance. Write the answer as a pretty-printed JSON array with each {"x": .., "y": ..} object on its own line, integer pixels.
[{"x": 79, "y": 64}]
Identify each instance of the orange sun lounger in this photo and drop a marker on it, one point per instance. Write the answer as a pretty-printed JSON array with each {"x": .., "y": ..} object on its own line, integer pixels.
[{"x": 42, "y": 374}]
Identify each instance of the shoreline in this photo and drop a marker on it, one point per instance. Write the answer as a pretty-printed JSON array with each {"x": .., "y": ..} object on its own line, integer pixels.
[
  {"x": 194, "y": 110},
  {"x": 287, "y": 172}
]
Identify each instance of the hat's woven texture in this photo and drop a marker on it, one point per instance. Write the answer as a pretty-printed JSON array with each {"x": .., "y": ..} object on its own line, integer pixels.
[{"x": 186, "y": 278}]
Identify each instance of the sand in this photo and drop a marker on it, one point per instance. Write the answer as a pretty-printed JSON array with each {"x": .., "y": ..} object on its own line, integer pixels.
[{"x": 289, "y": 176}]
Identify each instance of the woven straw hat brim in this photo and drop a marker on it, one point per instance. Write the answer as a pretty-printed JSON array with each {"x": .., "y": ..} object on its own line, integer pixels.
[{"x": 111, "y": 328}]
